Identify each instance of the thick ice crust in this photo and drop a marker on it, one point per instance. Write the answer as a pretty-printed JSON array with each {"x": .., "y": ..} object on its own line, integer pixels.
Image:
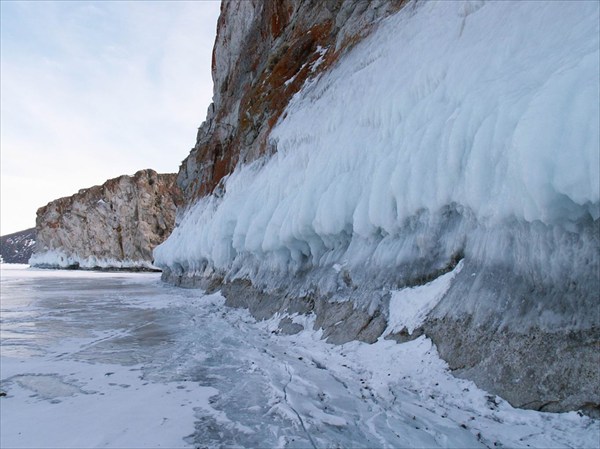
[
  {"x": 457, "y": 130},
  {"x": 60, "y": 260},
  {"x": 442, "y": 105},
  {"x": 539, "y": 369},
  {"x": 525, "y": 328}
]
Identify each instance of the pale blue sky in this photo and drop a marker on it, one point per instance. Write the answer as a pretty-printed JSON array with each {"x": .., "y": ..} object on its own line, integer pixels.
[{"x": 93, "y": 90}]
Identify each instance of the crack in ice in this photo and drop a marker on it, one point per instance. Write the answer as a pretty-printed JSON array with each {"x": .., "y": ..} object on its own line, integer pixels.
[{"x": 287, "y": 368}]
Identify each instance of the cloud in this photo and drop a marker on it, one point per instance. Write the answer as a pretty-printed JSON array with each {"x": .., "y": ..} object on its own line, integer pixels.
[{"x": 93, "y": 90}]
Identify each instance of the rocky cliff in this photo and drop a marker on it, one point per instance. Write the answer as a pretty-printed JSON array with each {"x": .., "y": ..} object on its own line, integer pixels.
[
  {"x": 17, "y": 247},
  {"x": 114, "y": 225},
  {"x": 265, "y": 51},
  {"x": 359, "y": 154}
]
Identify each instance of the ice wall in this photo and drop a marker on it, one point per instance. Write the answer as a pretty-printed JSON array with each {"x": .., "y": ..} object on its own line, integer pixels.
[
  {"x": 456, "y": 130},
  {"x": 485, "y": 110}
]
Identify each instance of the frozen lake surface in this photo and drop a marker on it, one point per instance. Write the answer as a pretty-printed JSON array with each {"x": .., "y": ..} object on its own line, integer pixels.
[{"x": 121, "y": 360}]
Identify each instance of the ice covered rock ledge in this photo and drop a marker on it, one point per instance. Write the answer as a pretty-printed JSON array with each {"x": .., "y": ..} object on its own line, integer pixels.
[
  {"x": 112, "y": 226},
  {"x": 453, "y": 131}
]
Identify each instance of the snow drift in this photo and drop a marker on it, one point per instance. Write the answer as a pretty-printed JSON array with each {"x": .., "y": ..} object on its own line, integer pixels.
[{"x": 456, "y": 130}]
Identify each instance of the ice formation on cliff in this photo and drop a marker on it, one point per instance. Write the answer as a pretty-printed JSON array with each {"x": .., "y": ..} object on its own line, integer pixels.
[
  {"x": 455, "y": 130},
  {"x": 485, "y": 110}
]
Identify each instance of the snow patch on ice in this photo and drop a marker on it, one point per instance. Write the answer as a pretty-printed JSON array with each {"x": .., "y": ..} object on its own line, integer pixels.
[
  {"x": 408, "y": 388},
  {"x": 14, "y": 266},
  {"x": 46, "y": 386},
  {"x": 117, "y": 409}
]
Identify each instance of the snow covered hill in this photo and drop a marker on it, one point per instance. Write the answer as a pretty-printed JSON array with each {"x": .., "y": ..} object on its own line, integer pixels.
[
  {"x": 453, "y": 131},
  {"x": 17, "y": 247}
]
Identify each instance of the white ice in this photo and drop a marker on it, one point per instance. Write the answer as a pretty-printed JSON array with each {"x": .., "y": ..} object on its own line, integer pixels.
[
  {"x": 61, "y": 259},
  {"x": 121, "y": 360},
  {"x": 492, "y": 107}
]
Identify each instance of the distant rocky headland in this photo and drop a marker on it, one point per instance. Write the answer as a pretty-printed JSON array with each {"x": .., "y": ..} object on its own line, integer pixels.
[{"x": 112, "y": 226}]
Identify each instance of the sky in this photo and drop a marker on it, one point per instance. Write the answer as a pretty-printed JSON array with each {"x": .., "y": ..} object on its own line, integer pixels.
[{"x": 93, "y": 90}]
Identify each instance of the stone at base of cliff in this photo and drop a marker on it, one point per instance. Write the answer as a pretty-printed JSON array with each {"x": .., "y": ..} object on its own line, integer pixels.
[
  {"x": 546, "y": 371},
  {"x": 341, "y": 321},
  {"x": 540, "y": 370}
]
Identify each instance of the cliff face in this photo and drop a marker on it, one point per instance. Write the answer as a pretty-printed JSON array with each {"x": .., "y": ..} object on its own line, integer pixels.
[
  {"x": 115, "y": 225},
  {"x": 265, "y": 51},
  {"x": 347, "y": 160},
  {"x": 17, "y": 247}
]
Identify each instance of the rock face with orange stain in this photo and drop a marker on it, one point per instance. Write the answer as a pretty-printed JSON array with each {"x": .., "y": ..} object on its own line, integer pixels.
[
  {"x": 115, "y": 225},
  {"x": 264, "y": 53},
  {"x": 520, "y": 317}
]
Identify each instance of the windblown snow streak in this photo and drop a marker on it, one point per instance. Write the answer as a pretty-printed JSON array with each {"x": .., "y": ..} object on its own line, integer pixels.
[{"x": 455, "y": 130}]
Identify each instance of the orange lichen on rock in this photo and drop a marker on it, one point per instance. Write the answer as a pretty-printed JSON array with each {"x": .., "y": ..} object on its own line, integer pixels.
[
  {"x": 265, "y": 52},
  {"x": 285, "y": 74},
  {"x": 280, "y": 15}
]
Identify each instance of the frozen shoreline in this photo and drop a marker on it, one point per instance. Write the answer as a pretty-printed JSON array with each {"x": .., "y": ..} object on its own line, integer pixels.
[
  {"x": 123, "y": 354},
  {"x": 58, "y": 259},
  {"x": 445, "y": 134}
]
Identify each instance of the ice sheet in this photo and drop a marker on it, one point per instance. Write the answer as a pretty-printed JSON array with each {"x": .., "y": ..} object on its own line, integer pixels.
[{"x": 113, "y": 360}]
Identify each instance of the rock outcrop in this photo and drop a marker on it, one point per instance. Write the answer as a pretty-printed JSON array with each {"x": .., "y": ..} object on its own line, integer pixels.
[
  {"x": 265, "y": 51},
  {"x": 115, "y": 225},
  {"x": 17, "y": 247},
  {"x": 340, "y": 164}
]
